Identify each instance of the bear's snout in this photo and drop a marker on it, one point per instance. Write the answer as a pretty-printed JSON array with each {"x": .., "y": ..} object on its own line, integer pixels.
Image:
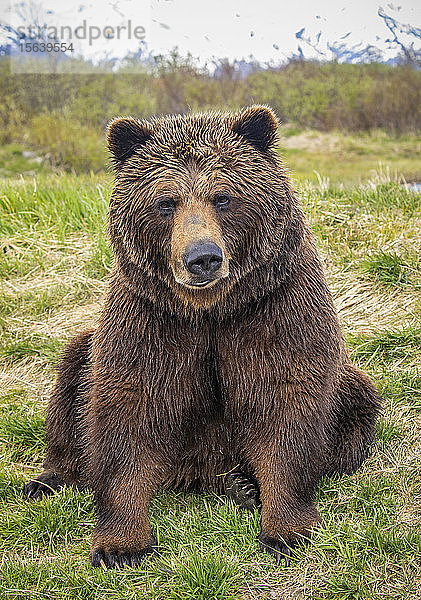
[
  {"x": 199, "y": 258},
  {"x": 203, "y": 258}
]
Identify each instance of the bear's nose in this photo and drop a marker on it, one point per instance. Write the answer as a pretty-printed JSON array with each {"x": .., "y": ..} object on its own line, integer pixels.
[{"x": 202, "y": 258}]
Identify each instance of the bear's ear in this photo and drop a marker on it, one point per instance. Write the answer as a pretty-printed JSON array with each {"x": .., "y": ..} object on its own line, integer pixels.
[
  {"x": 125, "y": 135},
  {"x": 258, "y": 125}
]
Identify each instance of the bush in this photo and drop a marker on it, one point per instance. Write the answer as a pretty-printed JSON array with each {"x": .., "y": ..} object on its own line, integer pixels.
[
  {"x": 67, "y": 142},
  {"x": 65, "y": 114}
]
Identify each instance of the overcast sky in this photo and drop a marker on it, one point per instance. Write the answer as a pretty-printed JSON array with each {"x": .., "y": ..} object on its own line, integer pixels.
[
  {"x": 264, "y": 29},
  {"x": 267, "y": 28}
]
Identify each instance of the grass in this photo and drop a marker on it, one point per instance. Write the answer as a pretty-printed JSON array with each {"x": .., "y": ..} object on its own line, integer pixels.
[
  {"x": 17, "y": 350},
  {"x": 349, "y": 158},
  {"x": 61, "y": 204},
  {"x": 390, "y": 268},
  {"x": 16, "y": 159},
  {"x": 387, "y": 267},
  {"x": 385, "y": 347},
  {"x": 53, "y": 263}
]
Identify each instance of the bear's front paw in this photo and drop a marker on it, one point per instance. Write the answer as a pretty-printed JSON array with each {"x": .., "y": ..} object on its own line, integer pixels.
[
  {"x": 280, "y": 548},
  {"x": 118, "y": 559}
]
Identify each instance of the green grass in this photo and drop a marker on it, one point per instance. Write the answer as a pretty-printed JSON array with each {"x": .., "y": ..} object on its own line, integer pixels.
[
  {"x": 386, "y": 267},
  {"x": 403, "y": 388},
  {"x": 24, "y": 435},
  {"x": 392, "y": 269},
  {"x": 53, "y": 262},
  {"x": 62, "y": 204},
  {"x": 350, "y": 158},
  {"x": 14, "y": 351},
  {"x": 100, "y": 261},
  {"x": 44, "y": 300},
  {"x": 16, "y": 159},
  {"x": 386, "y": 346},
  {"x": 28, "y": 430}
]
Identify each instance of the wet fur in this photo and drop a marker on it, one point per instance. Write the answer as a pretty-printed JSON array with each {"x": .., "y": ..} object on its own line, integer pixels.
[{"x": 177, "y": 386}]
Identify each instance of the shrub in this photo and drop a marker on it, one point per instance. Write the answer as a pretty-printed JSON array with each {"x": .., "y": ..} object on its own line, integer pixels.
[{"x": 69, "y": 143}]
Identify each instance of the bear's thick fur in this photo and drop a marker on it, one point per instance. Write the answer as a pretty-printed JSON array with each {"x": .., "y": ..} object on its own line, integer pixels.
[{"x": 218, "y": 349}]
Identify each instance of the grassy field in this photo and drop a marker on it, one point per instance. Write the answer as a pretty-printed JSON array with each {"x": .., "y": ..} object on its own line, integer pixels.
[
  {"x": 350, "y": 159},
  {"x": 54, "y": 260}
]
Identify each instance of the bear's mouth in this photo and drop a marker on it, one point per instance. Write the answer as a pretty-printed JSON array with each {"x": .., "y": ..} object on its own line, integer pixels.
[
  {"x": 194, "y": 285},
  {"x": 198, "y": 283}
]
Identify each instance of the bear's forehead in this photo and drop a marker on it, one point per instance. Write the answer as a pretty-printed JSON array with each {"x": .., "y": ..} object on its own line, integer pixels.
[{"x": 193, "y": 137}]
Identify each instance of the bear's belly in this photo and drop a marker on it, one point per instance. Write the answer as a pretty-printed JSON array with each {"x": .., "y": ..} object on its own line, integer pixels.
[{"x": 209, "y": 454}]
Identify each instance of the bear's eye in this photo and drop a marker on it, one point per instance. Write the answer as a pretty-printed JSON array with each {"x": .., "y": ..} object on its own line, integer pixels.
[
  {"x": 221, "y": 200},
  {"x": 166, "y": 206}
]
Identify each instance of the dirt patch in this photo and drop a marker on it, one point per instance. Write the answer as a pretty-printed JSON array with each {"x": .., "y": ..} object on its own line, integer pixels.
[{"x": 313, "y": 142}]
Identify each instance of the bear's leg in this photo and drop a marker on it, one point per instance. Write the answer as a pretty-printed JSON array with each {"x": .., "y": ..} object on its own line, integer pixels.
[
  {"x": 356, "y": 407},
  {"x": 122, "y": 535},
  {"x": 127, "y": 466},
  {"x": 64, "y": 460},
  {"x": 287, "y": 470}
]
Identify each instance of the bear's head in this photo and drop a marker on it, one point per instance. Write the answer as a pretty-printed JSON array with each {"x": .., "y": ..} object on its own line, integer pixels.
[{"x": 199, "y": 200}]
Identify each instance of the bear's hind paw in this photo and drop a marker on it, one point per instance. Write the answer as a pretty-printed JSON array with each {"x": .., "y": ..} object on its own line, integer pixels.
[
  {"x": 242, "y": 489},
  {"x": 44, "y": 485}
]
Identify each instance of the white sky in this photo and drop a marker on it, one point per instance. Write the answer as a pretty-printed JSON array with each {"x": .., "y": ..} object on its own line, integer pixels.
[{"x": 264, "y": 29}]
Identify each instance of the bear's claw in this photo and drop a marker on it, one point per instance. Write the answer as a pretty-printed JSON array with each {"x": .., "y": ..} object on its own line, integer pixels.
[
  {"x": 115, "y": 559},
  {"x": 44, "y": 485},
  {"x": 242, "y": 489},
  {"x": 278, "y": 548}
]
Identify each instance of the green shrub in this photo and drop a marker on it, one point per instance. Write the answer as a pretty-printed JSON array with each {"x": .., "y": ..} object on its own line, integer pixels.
[
  {"x": 64, "y": 115},
  {"x": 69, "y": 143}
]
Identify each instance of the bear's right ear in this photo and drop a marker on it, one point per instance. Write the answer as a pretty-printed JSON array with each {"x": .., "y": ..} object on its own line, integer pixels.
[{"x": 125, "y": 135}]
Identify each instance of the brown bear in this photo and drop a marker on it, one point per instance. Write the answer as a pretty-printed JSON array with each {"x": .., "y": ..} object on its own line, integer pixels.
[{"x": 218, "y": 349}]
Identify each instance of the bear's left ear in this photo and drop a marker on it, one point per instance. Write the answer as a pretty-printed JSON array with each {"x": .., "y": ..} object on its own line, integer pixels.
[
  {"x": 258, "y": 125},
  {"x": 125, "y": 135}
]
